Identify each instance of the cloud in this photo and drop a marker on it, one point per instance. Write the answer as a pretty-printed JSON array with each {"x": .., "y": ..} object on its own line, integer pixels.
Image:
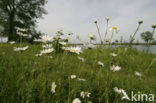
[{"x": 77, "y": 16}]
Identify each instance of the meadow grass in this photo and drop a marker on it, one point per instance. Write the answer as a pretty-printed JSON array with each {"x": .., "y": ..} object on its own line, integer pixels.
[{"x": 25, "y": 78}]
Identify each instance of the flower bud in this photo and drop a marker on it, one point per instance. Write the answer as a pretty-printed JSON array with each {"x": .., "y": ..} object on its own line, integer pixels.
[
  {"x": 107, "y": 18},
  {"x": 95, "y": 21},
  {"x": 140, "y": 21},
  {"x": 154, "y": 25}
]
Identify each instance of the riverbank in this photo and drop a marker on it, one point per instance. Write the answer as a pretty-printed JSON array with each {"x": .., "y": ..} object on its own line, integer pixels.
[
  {"x": 119, "y": 44},
  {"x": 27, "y": 78}
]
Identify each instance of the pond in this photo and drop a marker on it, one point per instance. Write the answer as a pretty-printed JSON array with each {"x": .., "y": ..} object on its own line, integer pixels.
[{"x": 152, "y": 48}]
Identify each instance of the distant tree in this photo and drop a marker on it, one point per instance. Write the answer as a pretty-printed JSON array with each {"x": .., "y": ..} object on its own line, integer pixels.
[
  {"x": 20, "y": 13},
  {"x": 147, "y": 36}
]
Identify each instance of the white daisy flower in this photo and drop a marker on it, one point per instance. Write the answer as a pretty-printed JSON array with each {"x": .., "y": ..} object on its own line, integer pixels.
[
  {"x": 73, "y": 76},
  {"x": 107, "y": 18},
  {"x": 154, "y": 25},
  {"x": 53, "y": 87},
  {"x": 12, "y": 42},
  {"x": 119, "y": 91},
  {"x": 47, "y": 51},
  {"x": 81, "y": 79},
  {"x": 92, "y": 37},
  {"x": 20, "y": 48},
  {"x": 140, "y": 21},
  {"x": 46, "y": 38},
  {"x": 38, "y": 55},
  {"x": 37, "y": 40},
  {"x": 80, "y": 58},
  {"x": 63, "y": 38},
  {"x": 115, "y": 68},
  {"x": 76, "y": 100},
  {"x": 21, "y": 29},
  {"x": 90, "y": 46},
  {"x": 47, "y": 46},
  {"x": 113, "y": 54},
  {"x": 113, "y": 28},
  {"x": 50, "y": 57},
  {"x": 76, "y": 50},
  {"x": 138, "y": 74},
  {"x": 85, "y": 94},
  {"x": 21, "y": 34},
  {"x": 100, "y": 63},
  {"x": 65, "y": 48},
  {"x": 95, "y": 21},
  {"x": 63, "y": 43}
]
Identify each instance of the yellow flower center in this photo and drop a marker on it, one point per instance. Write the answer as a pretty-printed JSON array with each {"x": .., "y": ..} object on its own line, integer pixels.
[
  {"x": 53, "y": 87},
  {"x": 115, "y": 28},
  {"x": 85, "y": 93},
  {"x": 73, "y": 50},
  {"x": 3, "y": 53}
]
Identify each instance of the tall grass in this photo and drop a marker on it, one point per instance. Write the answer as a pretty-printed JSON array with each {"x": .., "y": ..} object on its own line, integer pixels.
[{"x": 25, "y": 78}]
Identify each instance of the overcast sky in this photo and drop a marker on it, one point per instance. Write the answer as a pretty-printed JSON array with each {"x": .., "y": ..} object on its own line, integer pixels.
[{"x": 78, "y": 16}]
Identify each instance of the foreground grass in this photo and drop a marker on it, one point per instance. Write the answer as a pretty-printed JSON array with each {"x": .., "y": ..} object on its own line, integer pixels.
[{"x": 25, "y": 78}]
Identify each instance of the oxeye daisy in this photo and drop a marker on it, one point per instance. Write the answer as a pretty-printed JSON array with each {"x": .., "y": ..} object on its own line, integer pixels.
[
  {"x": 47, "y": 46},
  {"x": 85, "y": 94},
  {"x": 115, "y": 68},
  {"x": 107, "y": 18},
  {"x": 53, "y": 87},
  {"x": 119, "y": 91},
  {"x": 20, "y": 48},
  {"x": 100, "y": 63},
  {"x": 73, "y": 76},
  {"x": 81, "y": 79},
  {"x": 138, "y": 74},
  {"x": 114, "y": 28},
  {"x": 92, "y": 37},
  {"x": 76, "y": 100},
  {"x": 154, "y": 25},
  {"x": 95, "y": 21},
  {"x": 47, "y": 51},
  {"x": 63, "y": 43},
  {"x": 76, "y": 50},
  {"x": 90, "y": 46},
  {"x": 38, "y": 55},
  {"x": 140, "y": 21},
  {"x": 113, "y": 54},
  {"x": 12, "y": 42},
  {"x": 46, "y": 38}
]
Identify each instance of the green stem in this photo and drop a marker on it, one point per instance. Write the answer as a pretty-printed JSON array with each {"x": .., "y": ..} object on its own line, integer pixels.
[
  {"x": 99, "y": 33},
  {"x": 20, "y": 40},
  {"x": 106, "y": 30},
  {"x": 112, "y": 36},
  {"x": 153, "y": 61},
  {"x": 132, "y": 39}
]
